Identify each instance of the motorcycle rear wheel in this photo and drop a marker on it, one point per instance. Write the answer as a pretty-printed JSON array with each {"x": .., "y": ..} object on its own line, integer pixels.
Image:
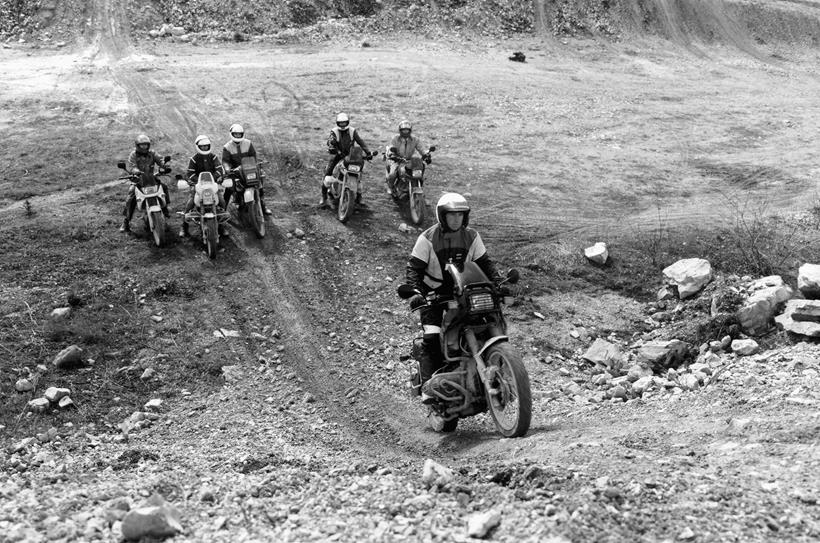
[
  {"x": 158, "y": 230},
  {"x": 346, "y": 204},
  {"x": 211, "y": 238},
  {"x": 417, "y": 207},
  {"x": 511, "y": 407}
]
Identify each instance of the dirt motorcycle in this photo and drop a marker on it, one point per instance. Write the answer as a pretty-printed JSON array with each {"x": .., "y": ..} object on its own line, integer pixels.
[
  {"x": 347, "y": 182},
  {"x": 409, "y": 184},
  {"x": 248, "y": 180},
  {"x": 206, "y": 213},
  {"x": 150, "y": 199},
  {"x": 482, "y": 370}
]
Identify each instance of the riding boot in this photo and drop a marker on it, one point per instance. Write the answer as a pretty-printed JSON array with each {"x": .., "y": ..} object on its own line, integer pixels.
[
  {"x": 126, "y": 225},
  {"x": 323, "y": 202},
  {"x": 183, "y": 232}
]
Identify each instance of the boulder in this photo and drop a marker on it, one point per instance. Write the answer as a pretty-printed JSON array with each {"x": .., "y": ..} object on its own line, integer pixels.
[
  {"x": 597, "y": 253},
  {"x": 69, "y": 357},
  {"x": 602, "y": 352},
  {"x": 756, "y": 313},
  {"x": 434, "y": 474},
  {"x": 53, "y": 394},
  {"x": 744, "y": 347},
  {"x": 65, "y": 402},
  {"x": 38, "y": 405},
  {"x": 689, "y": 275},
  {"x": 24, "y": 385},
  {"x": 151, "y": 521},
  {"x": 798, "y": 317},
  {"x": 688, "y": 381},
  {"x": 642, "y": 385},
  {"x": 480, "y": 524},
  {"x": 662, "y": 354},
  {"x": 60, "y": 313},
  {"x": 808, "y": 280}
]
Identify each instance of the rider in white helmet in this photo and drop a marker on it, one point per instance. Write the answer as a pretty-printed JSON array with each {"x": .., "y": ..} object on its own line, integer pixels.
[
  {"x": 235, "y": 149},
  {"x": 449, "y": 240},
  {"x": 403, "y": 145},
  {"x": 339, "y": 142},
  {"x": 204, "y": 160},
  {"x": 142, "y": 161}
]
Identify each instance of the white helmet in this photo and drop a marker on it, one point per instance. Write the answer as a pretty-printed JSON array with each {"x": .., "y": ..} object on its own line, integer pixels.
[
  {"x": 454, "y": 202},
  {"x": 405, "y": 125},
  {"x": 237, "y": 132},
  {"x": 142, "y": 143},
  {"x": 342, "y": 121},
  {"x": 203, "y": 145}
]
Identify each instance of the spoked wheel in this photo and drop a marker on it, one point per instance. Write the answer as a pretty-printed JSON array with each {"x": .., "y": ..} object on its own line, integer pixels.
[
  {"x": 211, "y": 238},
  {"x": 509, "y": 396},
  {"x": 417, "y": 206},
  {"x": 259, "y": 219},
  {"x": 157, "y": 223},
  {"x": 345, "y": 209}
]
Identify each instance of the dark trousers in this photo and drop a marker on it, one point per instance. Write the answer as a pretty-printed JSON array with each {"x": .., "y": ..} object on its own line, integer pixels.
[{"x": 431, "y": 358}]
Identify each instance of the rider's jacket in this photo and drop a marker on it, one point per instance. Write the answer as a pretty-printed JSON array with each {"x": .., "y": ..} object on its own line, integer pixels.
[
  {"x": 406, "y": 146},
  {"x": 342, "y": 140},
  {"x": 143, "y": 162},
  {"x": 203, "y": 163},
  {"x": 435, "y": 248},
  {"x": 233, "y": 153}
]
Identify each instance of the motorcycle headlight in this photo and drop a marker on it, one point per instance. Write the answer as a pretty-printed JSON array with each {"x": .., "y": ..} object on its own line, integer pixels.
[
  {"x": 208, "y": 197},
  {"x": 481, "y": 301},
  {"x": 354, "y": 168},
  {"x": 251, "y": 175},
  {"x": 149, "y": 190},
  {"x": 416, "y": 173}
]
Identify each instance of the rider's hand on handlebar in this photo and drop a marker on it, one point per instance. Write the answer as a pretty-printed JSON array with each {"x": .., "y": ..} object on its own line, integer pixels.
[
  {"x": 427, "y": 158},
  {"x": 504, "y": 290},
  {"x": 417, "y": 301}
]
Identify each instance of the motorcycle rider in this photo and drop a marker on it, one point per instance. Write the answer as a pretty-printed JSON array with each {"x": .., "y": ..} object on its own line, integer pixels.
[
  {"x": 235, "y": 149},
  {"x": 450, "y": 240},
  {"x": 141, "y": 161},
  {"x": 405, "y": 144},
  {"x": 339, "y": 143},
  {"x": 203, "y": 161}
]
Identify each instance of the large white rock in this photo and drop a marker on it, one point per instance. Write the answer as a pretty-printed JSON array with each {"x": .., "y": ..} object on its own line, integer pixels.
[
  {"x": 808, "y": 280},
  {"x": 53, "y": 394},
  {"x": 662, "y": 353},
  {"x": 38, "y": 405},
  {"x": 60, "y": 313},
  {"x": 435, "y": 474},
  {"x": 480, "y": 524},
  {"x": 602, "y": 352},
  {"x": 153, "y": 521},
  {"x": 597, "y": 253},
  {"x": 801, "y": 317},
  {"x": 744, "y": 347},
  {"x": 756, "y": 313},
  {"x": 689, "y": 275}
]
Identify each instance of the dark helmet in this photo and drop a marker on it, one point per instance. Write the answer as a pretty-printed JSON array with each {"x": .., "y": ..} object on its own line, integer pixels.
[
  {"x": 342, "y": 121},
  {"x": 452, "y": 202},
  {"x": 405, "y": 128},
  {"x": 142, "y": 143}
]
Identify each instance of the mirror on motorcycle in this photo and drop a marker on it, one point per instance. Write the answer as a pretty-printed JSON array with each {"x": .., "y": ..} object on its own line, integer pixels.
[
  {"x": 167, "y": 159},
  {"x": 178, "y": 176},
  {"x": 394, "y": 151},
  {"x": 513, "y": 276},
  {"x": 121, "y": 165},
  {"x": 406, "y": 291},
  {"x": 432, "y": 148}
]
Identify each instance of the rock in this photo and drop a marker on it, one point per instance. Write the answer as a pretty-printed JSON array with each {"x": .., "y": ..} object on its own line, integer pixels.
[
  {"x": 797, "y": 317},
  {"x": 153, "y": 405},
  {"x": 665, "y": 293},
  {"x": 53, "y": 394},
  {"x": 65, "y": 402},
  {"x": 60, "y": 313},
  {"x": 757, "y": 311},
  {"x": 602, "y": 352},
  {"x": 177, "y": 30},
  {"x": 148, "y": 374},
  {"x": 597, "y": 254},
  {"x": 154, "y": 33},
  {"x": 38, "y": 405},
  {"x": 808, "y": 280},
  {"x": 479, "y": 525},
  {"x": 434, "y": 474},
  {"x": 157, "y": 521},
  {"x": 403, "y": 227},
  {"x": 738, "y": 426},
  {"x": 69, "y": 357},
  {"x": 642, "y": 385},
  {"x": 702, "y": 367},
  {"x": 617, "y": 391},
  {"x": 688, "y": 381},
  {"x": 744, "y": 347},
  {"x": 686, "y": 534},
  {"x": 165, "y": 30},
  {"x": 689, "y": 275},
  {"x": 23, "y": 385},
  {"x": 662, "y": 354},
  {"x": 156, "y": 318}
]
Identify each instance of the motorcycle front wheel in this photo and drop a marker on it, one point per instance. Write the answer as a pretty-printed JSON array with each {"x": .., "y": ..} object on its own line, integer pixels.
[
  {"x": 211, "y": 238},
  {"x": 345, "y": 209},
  {"x": 158, "y": 228},
  {"x": 508, "y": 396},
  {"x": 417, "y": 207}
]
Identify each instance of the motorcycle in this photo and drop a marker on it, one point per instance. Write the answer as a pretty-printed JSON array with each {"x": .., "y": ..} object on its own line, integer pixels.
[
  {"x": 482, "y": 370},
  {"x": 409, "y": 184},
  {"x": 150, "y": 199},
  {"x": 248, "y": 180},
  {"x": 206, "y": 214},
  {"x": 347, "y": 182}
]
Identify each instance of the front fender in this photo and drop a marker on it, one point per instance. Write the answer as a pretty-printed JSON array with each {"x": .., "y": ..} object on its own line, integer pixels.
[{"x": 492, "y": 341}]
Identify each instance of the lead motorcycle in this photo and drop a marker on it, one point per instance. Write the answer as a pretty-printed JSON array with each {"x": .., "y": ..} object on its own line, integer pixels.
[
  {"x": 206, "y": 214},
  {"x": 482, "y": 371},
  {"x": 409, "y": 185},
  {"x": 248, "y": 180},
  {"x": 150, "y": 199},
  {"x": 347, "y": 182}
]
